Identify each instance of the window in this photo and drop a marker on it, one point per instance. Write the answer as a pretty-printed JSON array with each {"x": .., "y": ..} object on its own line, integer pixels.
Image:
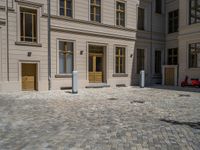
[
  {"x": 158, "y": 6},
  {"x": 194, "y": 9},
  {"x": 120, "y": 60},
  {"x": 28, "y": 25},
  {"x": 173, "y": 21},
  {"x": 120, "y": 14},
  {"x": 140, "y": 18},
  {"x": 158, "y": 58},
  {"x": 173, "y": 56},
  {"x": 66, "y": 8},
  {"x": 95, "y": 10},
  {"x": 140, "y": 60},
  {"x": 194, "y": 55},
  {"x": 65, "y": 57}
]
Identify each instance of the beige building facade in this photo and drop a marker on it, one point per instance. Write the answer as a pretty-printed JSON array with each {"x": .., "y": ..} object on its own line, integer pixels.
[{"x": 107, "y": 41}]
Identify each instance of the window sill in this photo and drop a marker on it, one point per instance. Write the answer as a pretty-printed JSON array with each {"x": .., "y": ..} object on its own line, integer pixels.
[
  {"x": 63, "y": 76},
  {"x": 120, "y": 75},
  {"x": 28, "y": 44}
]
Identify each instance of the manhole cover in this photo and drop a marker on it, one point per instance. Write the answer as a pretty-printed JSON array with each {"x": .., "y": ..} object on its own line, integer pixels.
[
  {"x": 112, "y": 99},
  {"x": 137, "y": 101},
  {"x": 184, "y": 95}
]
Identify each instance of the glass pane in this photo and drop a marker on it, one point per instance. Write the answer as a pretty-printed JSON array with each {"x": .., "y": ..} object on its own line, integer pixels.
[
  {"x": 117, "y": 65},
  {"x": 22, "y": 25},
  {"x": 61, "y": 46},
  {"x": 99, "y": 64},
  {"x": 62, "y": 63},
  {"x": 91, "y": 64},
  {"x": 28, "y": 25},
  {"x": 69, "y": 63}
]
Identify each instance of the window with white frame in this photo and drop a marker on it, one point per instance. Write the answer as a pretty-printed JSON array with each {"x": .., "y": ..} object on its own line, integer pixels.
[
  {"x": 66, "y": 8},
  {"x": 28, "y": 25},
  {"x": 120, "y": 60},
  {"x": 140, "y": 60},
  {"x": 158, "y": 6},
  {"x": 173, "y": 56},
  {"x": 95, "y": 10},
  {"x": 158, "y": 64},
  {"x": 194, "y": 55},
  {"x": 194, "y": 10},
  {"x": 120, "y": 13},
  {"x": 141, "y": 17},
  {"x": 66, "y": 50}
]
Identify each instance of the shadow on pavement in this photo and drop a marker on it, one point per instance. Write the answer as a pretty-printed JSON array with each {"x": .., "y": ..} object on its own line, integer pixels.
[{"x": 194, "y": 125}]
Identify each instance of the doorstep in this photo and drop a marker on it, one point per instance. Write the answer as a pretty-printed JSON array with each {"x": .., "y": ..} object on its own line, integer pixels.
[{"x": 98, "y": 85}]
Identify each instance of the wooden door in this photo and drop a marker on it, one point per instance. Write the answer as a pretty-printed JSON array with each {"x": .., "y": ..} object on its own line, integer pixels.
[
  {"x": 95, "y": 68},
  {"x": 169, "y": 76},
  {"x": 29, "y": 77}
]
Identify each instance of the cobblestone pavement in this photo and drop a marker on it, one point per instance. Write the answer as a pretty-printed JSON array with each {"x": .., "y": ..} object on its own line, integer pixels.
[{"x": 101, "y": 119}]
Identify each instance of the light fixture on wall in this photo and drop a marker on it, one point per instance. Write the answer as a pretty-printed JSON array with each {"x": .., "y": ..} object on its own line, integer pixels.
[
  {"x": 29, "y": 54},
  {"x": 81, "y": 52},
  {"x": 131, "y": 55}
]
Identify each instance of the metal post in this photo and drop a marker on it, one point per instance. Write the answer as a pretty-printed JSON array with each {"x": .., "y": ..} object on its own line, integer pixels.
[
  {"x": 142, "y": 79},
  {"x": 49, "y": 44},
  {"x": 75, "y": 82}
]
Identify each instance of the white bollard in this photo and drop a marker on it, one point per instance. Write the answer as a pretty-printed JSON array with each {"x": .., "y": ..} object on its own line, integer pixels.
[
  {"x": 142, "y": 78},
  {"x": 75, "y": 82}
]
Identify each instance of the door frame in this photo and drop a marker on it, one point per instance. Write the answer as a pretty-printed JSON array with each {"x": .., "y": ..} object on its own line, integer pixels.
[
  {"x": 37, "y": 72},
  {"x": 105, "y": 59}
]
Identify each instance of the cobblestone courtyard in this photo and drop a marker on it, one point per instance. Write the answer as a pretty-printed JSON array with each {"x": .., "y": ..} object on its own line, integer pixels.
[{"x": 101, "y": 119}]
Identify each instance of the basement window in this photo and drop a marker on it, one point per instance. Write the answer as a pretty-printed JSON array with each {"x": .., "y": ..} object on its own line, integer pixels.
[{"x": 28, "y": 25}]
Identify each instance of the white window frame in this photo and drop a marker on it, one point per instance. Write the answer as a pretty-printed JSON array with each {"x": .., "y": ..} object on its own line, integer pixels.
[
  {"x": 115, "y": 11},
  {"x": 74, "y": 56},
  {"x": 73, "y": 9},
  {"x": 38, "y": 10},
  {"x": 114, "y": 58}
]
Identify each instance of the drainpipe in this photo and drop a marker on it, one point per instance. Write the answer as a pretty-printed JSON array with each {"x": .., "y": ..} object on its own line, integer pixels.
[
  {"x": 7, "y": 36},
  {"x": 151, "y": 75},
  {"x": 49, "y": 44}
]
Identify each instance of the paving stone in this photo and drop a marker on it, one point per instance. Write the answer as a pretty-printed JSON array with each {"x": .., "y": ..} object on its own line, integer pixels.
[{"x": 90, "y": 121}]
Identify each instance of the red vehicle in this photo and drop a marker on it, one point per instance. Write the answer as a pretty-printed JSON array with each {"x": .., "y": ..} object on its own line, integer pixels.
[{"x": 193, "y": 83}]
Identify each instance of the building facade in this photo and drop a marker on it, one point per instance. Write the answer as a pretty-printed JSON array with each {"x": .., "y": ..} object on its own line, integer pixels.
[{"x": 107, "y": 41}]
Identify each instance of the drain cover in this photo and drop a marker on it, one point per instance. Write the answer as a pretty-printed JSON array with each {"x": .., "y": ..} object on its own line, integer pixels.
[
  {"x": 137, "y": 101},
  {"x": 184, "y": 95},
  {"x": 112, "y": 99}
]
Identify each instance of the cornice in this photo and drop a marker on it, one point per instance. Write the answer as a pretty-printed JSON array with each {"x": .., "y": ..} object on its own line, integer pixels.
[
  {"x": 91, "y": 33},
  {"x": 89, "y": 23}
]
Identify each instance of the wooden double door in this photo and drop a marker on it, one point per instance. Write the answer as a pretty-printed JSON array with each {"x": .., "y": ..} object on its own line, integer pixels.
[
  {"x": 169, "y": 76},
  {"x": 29, "y": 77},
  {"x": 96, "y": 64}
]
